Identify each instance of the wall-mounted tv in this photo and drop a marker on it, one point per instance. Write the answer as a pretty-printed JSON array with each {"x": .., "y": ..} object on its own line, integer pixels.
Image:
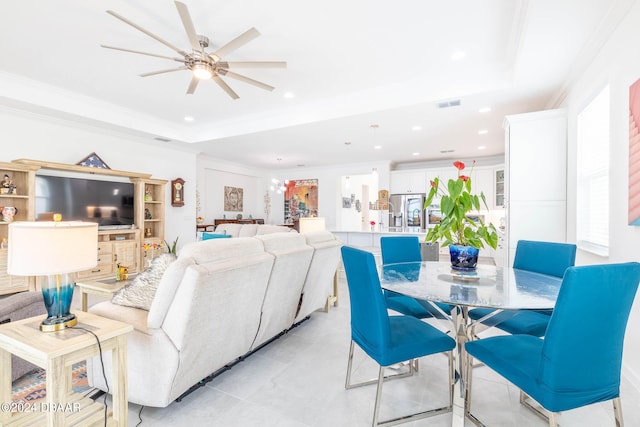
[{"x": 109, "y": 203}]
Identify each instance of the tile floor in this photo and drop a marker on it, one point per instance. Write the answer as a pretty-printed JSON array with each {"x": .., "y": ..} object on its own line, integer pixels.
[{"x": 298, "y": 381}]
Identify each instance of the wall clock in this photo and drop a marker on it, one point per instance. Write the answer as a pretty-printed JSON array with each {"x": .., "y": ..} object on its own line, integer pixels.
[{"x": 177, "y": 192}]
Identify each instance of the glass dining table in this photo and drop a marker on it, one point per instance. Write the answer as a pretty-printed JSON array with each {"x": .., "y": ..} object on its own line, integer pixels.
[{"x": 500, "y": 288}]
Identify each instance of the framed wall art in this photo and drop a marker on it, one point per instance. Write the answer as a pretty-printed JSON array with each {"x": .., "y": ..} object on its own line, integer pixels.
[{"x": 233, "y": 199}]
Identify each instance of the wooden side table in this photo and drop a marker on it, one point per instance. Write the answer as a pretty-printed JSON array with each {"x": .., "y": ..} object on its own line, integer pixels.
[
  {"x": 104, "y": 288},
  {"x": 205, "y": 227},
  {"x": 56, "y": 352}
]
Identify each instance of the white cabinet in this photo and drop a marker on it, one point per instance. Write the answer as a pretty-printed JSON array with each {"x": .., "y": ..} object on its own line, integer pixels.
[
  {"x": 482, "y": 183},
  {"x": 535, "y": 178},
  {"x": 498, "y": 183},
  {"x": 408, "y": 182}
]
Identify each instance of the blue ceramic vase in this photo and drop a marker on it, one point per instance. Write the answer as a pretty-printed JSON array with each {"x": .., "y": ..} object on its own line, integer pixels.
[{"x": 464, "y": 258}]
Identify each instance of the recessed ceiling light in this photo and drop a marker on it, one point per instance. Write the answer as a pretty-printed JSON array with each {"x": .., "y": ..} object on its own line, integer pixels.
[
  {"x": 484, "y": 110},
  {"x": 289, "y": 95},
  {"x": 416, "y": 128},
  {"x": 415, "y": 154},
  {"x": 483, "y": 132},
  {"x": 457, "y": 55},
  {"x": 482, "y": 147},
  {"x": 377, "y": 147},
  {"x": 188, "y": 119}
]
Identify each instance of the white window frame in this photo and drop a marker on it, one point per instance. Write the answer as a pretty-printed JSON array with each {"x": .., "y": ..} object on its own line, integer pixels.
[{"x": 593, "y": 153}]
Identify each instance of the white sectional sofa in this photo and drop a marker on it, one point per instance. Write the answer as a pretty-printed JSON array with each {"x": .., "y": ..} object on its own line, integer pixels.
[{"x": 220, "y": 300}]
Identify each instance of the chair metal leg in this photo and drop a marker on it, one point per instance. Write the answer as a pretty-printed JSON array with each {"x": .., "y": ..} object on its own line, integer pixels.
[
  {"x": 380, "y": 381},
  {"x": 550, "y": 417},
  {"x": 347, "y": 382},
  {"x": 376, "y": 408},
  {"x": 348, "y": 385},
  {"x": 452, "y": 380},
  {"x": 617, "y": 410}
]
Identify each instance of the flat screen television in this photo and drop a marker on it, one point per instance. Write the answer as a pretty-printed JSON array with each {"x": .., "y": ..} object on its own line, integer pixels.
[{"x": 109, "y": 203}]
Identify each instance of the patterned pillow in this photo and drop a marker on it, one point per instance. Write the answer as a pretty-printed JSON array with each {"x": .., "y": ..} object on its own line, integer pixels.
[{"x": 141, "y": 291}]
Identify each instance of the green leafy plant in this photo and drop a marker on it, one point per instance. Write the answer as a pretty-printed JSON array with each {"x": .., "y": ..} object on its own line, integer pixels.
[
  {"x": 173, "y": 248},
  {"x": 456, "y": 204}
]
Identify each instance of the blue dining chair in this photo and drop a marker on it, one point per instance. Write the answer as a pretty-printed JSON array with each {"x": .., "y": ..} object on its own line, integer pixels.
[
  {"x": 388, "y": 340},
  {"x": 396, "y": 249},
  {"x": 578, "y": 361},
  {"x": 540, "y": 257}
]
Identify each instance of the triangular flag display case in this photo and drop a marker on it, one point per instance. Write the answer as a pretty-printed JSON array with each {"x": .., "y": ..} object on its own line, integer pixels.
[{"x": 93, "y": 161}]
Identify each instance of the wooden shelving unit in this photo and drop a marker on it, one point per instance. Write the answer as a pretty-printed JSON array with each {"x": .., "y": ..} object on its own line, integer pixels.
[
  {"x": 149, "y": 209},
  {"x": 23, "y": 178},
  {"x": 120, "y": 246}
]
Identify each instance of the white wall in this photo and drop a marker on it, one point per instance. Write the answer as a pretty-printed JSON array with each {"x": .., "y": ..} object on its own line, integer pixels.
[
  {"x": 618, "y": 65},
  {"x": 214, "y": 175},
  {"x": 36, "y": 137}
]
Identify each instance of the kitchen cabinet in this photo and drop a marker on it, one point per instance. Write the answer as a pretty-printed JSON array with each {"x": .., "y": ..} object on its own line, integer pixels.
[
  {"x": 498, "y": 199},
  {"x": 535, "y": 178},
  {"x": 408, "y": 182},
  {"x": 482, "y": 182}
]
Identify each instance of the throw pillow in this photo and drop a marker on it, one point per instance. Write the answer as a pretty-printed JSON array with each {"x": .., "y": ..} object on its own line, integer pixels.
[{"x": 141, "y": 291}]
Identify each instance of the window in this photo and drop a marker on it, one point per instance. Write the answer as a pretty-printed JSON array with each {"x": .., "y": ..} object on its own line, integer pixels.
[{"x": 593, "y": 175}]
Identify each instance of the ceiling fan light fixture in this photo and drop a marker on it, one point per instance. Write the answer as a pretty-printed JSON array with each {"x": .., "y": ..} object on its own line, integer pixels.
[{"x": 202, "y": 71}]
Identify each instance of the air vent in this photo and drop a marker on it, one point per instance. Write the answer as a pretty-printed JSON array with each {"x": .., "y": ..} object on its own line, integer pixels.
[
  {"x": 158, "y": 138},
  {"x": 446, "y": 151},
  {"x": 447, "y": 104}
]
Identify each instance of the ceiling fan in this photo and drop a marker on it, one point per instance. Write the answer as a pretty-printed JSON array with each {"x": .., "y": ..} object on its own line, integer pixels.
[{"x": 204, "y": 65}]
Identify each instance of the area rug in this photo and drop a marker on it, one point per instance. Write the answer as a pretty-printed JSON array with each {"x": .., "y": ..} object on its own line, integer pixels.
[{"x": 32, "y": 386}]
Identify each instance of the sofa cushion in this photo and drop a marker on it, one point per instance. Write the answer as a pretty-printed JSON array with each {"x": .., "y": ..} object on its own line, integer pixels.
[
  {"x": 248, "y": 230},
  {"x": 167, "y": 289},
  {"x": 268, "y": 229},
  {"x": 231, "y": 229},
  {"x": 141, "y": 291},
  {"x": 218, "y": 249}
]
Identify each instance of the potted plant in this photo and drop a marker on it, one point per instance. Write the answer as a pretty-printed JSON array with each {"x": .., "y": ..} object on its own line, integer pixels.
[{"x": 463, "y": 232}]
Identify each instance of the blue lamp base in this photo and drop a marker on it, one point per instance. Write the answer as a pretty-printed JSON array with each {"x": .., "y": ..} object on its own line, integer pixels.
[
  {"x": 57, "y": 293},
  {"x": 52, "y": 324}
]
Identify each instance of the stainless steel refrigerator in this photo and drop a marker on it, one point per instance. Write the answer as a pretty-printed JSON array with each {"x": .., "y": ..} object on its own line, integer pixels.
[{"x": 406, "y": 212}]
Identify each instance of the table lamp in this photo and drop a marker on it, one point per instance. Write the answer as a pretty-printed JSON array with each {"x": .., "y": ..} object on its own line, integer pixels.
[
  {"x": 54, "y": 249},
  {"x": 309, "y": 225}
]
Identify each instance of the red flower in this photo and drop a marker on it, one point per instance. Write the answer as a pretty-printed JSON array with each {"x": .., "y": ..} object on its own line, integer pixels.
[
  {"x": 463, "y": 177},
  {"x": 372, "y": 222},
  {"x": 458, "y": 165}
]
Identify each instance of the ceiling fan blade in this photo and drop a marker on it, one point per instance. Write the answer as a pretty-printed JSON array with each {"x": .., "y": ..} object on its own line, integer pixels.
[
  {"x": 253, "y": 64},
  {"x": 225, "y": 87},
  {"x": 153, "y": 36},
  {"x": 143, "y": 53},
  {"x": 193, "y": 85},
  {"x": 245, "y": 79},
  {"x": 183, "y": 11},
  {"x": 234, "y": 44},
  {"x": 170, "y": 70}
]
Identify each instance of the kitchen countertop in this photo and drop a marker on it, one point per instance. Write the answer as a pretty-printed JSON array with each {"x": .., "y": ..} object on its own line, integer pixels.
[{"x": 391, "y": 230}]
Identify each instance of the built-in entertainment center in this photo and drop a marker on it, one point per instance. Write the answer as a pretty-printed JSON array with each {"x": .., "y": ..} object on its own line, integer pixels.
[{"x": 128, "y": 206}]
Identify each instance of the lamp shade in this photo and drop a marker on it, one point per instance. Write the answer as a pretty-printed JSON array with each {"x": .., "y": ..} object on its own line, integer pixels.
[
  {"x": 47, "y": 248},
  {"x": 309, "y": 225}
]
